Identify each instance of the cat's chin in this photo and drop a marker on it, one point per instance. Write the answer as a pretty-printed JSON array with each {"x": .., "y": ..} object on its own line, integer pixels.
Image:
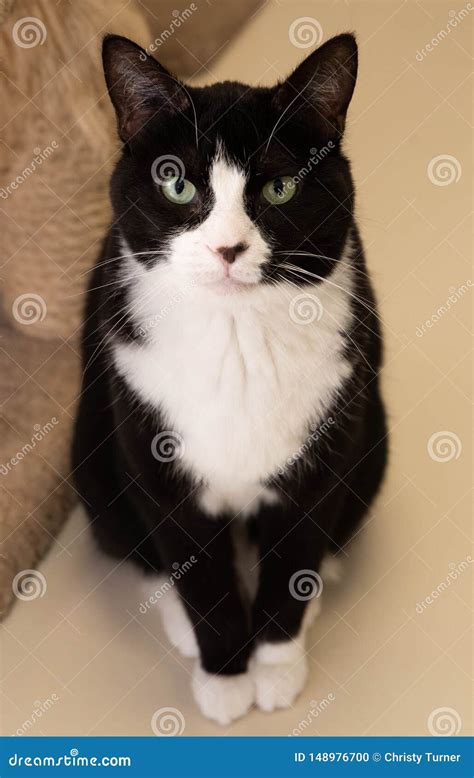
[{"x": 228, "y": 286}]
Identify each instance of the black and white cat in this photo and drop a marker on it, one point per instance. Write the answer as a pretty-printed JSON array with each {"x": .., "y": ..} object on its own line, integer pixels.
[{"x": 231, "y": 354}]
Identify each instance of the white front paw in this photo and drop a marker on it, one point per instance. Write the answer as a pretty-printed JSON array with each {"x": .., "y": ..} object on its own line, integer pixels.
[
  {"x": 179, "y": 630},
  {"x": 280, "y": 672},
  {"x": 223, "y": 698},
  {"x": 331, "y": 569},
  {"x": 176, "y": 622}
]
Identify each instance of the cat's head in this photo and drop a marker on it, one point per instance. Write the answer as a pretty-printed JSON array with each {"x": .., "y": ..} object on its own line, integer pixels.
[{"x": 226, "y": 186}]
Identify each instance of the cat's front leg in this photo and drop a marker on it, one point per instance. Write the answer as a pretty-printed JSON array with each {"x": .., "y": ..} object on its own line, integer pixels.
[
  {"x": 209, "y": 593},
  {"x": 288, "y": 600}
]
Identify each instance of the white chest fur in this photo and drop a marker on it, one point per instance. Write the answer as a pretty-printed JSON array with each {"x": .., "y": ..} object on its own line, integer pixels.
[{"x": 240, "y": 377}]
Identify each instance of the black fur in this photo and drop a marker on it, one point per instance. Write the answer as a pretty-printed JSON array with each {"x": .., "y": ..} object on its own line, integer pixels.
[{"x": 144, "y": 510}]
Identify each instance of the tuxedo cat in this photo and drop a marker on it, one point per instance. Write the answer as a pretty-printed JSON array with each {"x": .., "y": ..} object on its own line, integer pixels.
[{"x": 230, "y": 423}]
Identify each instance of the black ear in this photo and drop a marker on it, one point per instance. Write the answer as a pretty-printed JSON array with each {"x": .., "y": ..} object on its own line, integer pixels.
[
  {"x": 138, "y": 85},
  {"x": 322, "y": 85}
]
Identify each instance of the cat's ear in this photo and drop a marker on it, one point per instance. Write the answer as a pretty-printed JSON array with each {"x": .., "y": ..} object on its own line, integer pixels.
[
  {"x": 322, "y": 85},
  {"x": 138, "y": 85}
]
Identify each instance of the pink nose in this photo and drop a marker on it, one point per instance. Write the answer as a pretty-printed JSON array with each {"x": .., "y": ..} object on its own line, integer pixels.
[{"x": 229, "y": 253}]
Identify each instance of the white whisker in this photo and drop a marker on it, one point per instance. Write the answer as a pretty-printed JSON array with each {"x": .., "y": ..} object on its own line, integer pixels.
[
  {"x": 295, "y": 269},
  {"x": 158, "y": 252},
  {"x": 333, "y": 319}
]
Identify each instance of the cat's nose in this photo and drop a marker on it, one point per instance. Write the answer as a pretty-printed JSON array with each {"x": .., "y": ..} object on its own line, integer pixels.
[{"x": 229, "y": 253}]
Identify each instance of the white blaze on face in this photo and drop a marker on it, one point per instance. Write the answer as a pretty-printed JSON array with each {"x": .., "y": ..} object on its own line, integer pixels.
[{"x": 194, "y": 252}]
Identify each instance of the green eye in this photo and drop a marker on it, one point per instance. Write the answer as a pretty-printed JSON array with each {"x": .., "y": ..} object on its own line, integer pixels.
[
  {"x": 279, "y": 190},
  {"x": 179, "y": 190}
]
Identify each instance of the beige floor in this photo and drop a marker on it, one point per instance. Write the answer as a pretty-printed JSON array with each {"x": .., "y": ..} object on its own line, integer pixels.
[{"x": 382, "y": 658}]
